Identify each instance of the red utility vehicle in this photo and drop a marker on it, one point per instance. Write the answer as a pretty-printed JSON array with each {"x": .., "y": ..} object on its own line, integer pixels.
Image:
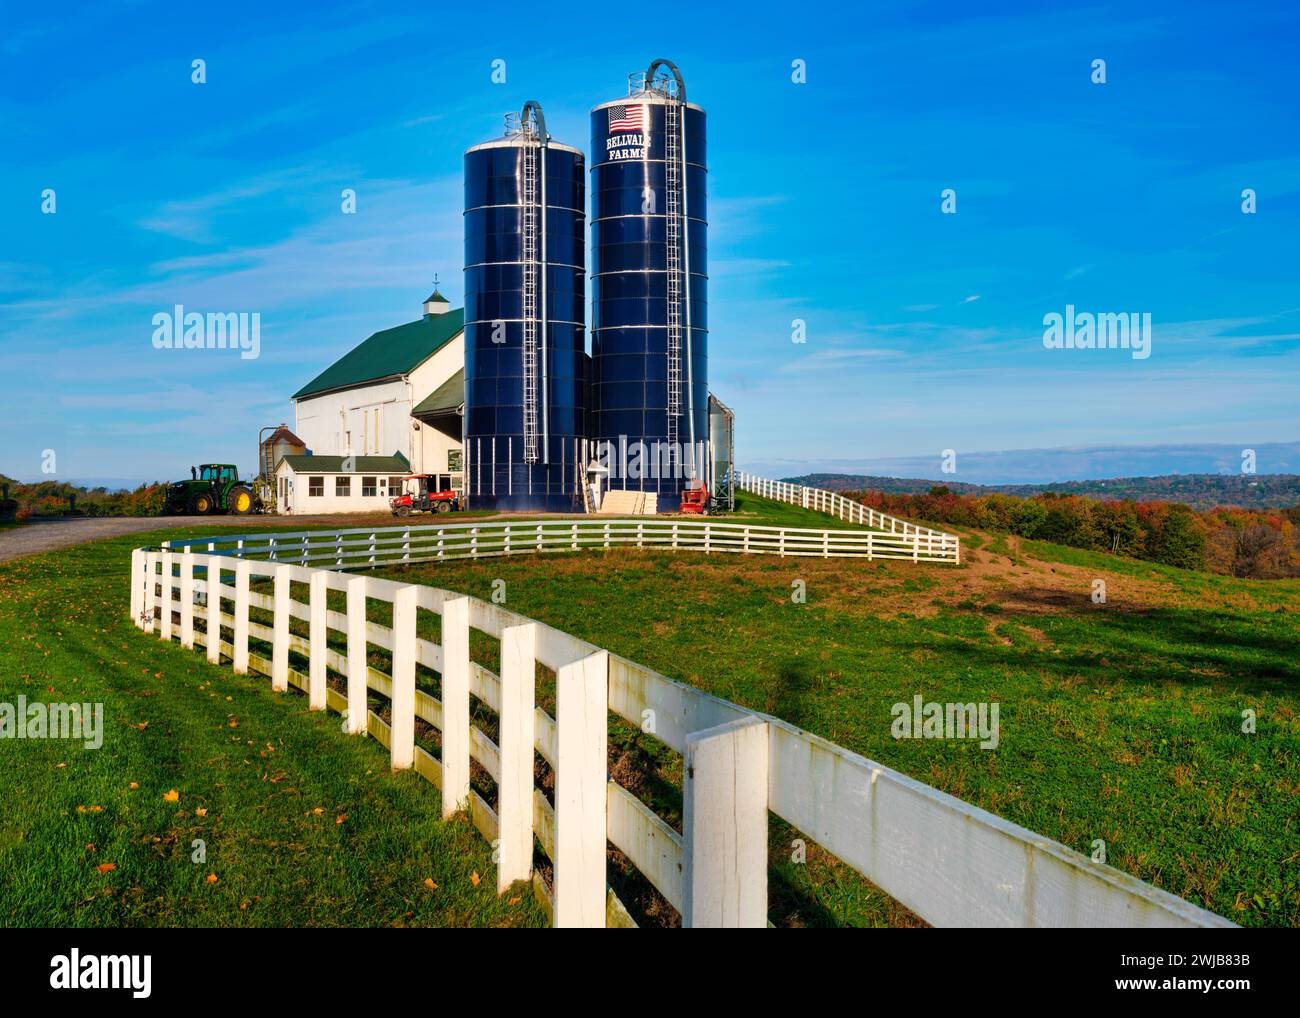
[{"x": 425, "y": 493}]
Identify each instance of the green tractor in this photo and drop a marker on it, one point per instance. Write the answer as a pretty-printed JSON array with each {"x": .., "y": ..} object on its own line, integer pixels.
[{"x": 212, "y": 488}]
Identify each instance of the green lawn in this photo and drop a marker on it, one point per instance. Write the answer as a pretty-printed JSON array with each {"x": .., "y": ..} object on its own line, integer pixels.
[
  {"x": 1118, "y": 722},
  {"x": 303, "y": 825}
]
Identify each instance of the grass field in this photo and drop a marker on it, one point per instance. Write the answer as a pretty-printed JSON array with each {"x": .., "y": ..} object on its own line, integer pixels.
[{"x": 1119, "y": 721}]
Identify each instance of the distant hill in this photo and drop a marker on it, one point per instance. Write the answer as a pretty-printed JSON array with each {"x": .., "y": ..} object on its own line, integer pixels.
[{"x": 1200, "y": 491}]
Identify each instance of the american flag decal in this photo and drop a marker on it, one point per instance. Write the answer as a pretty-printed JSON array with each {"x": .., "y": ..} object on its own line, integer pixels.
[{"x": 625, "y": 118}]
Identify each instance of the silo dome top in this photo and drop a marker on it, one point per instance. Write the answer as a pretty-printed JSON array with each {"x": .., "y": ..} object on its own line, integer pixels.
[
  {"x": 521, "y": 129},
  {"x": 653, "y": 86}
]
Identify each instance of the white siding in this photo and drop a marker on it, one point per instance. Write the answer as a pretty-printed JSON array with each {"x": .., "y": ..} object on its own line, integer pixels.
[{"x": 375, "y": 420}]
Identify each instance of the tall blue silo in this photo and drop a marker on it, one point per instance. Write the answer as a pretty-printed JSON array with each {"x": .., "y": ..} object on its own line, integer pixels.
[
  {"x": 649, "y": 283},
  {"x": 525, "y": 375}
]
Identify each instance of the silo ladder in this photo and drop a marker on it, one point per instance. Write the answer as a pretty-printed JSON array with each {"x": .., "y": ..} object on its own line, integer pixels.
[
  {"x": 530, "y": 226},
  {"x": 673, "y": 211}
]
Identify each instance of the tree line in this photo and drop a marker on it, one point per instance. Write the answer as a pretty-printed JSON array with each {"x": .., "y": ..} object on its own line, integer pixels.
[{"x": 1253, "y": 543}]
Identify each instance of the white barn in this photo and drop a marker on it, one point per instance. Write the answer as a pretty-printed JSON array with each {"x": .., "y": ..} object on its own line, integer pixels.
[{"x": 397, "y": 396}]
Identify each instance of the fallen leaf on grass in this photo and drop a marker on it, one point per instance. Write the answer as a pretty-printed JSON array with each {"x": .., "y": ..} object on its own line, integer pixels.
[
  {"x": 474, "y": 878},
  {"x": 212, "y": 878},
  {"x": 514, "y": 901},
  {"x": 428, "y": 882},
  {"x": 340, "y": 818},
  {"x": 135, "y": 784},
  {"x": 172, "y": 796},
  {"x": 106, "y": 867},
  {"x": 201, "y": 812}
]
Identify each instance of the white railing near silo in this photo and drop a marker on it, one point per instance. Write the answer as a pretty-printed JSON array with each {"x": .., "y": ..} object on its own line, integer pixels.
[{"x": 948, "y": 861}]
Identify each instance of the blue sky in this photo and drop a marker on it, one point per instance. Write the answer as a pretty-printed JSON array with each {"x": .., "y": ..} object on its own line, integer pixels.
[{"x": 924, "y": 330}]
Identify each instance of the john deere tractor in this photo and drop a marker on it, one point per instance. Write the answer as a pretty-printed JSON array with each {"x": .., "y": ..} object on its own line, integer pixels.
[{"x": 212, "y": 488}]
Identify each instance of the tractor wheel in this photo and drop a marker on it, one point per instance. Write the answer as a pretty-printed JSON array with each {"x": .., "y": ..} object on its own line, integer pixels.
[
  {"x": 239, "y": 501},
  {"x": 444, "y": 507},
  {"x": 402, "y": 512},
  {"x": 201, "y": 504}
]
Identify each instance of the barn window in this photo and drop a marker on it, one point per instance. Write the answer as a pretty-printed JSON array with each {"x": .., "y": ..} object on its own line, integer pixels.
[
  {"x": 316, "y": 487},
  {"x": 342, "y": 487},
  {"x": 369, "y": 487}
]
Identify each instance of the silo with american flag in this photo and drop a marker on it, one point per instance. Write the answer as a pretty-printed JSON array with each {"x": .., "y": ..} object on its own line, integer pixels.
[{"x": 649, "y": 388}]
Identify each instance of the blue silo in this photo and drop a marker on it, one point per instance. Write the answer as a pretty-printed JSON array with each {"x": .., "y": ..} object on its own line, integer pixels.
[
  {"x": 649, "y": 282},
  {"x": 525, "y": 363}
]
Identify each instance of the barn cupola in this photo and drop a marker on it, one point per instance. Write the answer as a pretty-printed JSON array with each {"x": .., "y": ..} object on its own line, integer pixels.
[{"x": 435, "y": 303}]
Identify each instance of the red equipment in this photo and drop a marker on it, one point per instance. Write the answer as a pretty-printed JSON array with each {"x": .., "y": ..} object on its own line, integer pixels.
[
  {"x": 695, "y": 500},
  {"x": 432, "y": 493}
]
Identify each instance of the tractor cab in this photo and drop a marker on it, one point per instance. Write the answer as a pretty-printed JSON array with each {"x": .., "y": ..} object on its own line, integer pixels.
[
  {"x": 425, "y": 493},
  {"x": 216, "y": 472}
]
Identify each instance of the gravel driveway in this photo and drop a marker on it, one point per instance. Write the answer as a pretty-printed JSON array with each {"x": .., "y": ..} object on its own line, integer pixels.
[{"x": 37, "y": 536}]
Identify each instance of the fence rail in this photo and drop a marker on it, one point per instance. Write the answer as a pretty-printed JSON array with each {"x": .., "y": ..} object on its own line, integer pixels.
[
  {"x": 846, "y": 509},
  {"x": 403, "y": 544},
  {"x": 949, "y": 862}
]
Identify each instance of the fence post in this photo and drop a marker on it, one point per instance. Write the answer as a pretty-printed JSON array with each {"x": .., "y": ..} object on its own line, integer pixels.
[
  {"x": 515, "y": 787},
  {"x": 150, "y": 601},
  {"x": 358, "y": 669},
  {"x": 581, "y": 799},
  {"x": 280, "y": 630},
  {"x": 455, "y": 704},
  {"x": 165, "y": 617},
  {"x": 138, "y": 560},
  {"x": 402, "y": 733},
  {"x": 214, "y": 609},
  {"x": 724, "y": 829},
  {"x": 243, "y": 574},
  {"x": 187, "y": 599},
  {"x": 319, "y": 587}
]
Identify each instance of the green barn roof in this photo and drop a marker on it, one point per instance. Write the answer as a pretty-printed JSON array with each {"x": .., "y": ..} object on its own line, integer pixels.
[
  {"x": 360, "y": 464},
  {"x": 447, "y": 398},
  {"x": 388, "y": 354}
]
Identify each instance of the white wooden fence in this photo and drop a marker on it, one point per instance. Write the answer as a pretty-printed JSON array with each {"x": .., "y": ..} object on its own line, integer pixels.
[
  {"x": 846, "y": 509},
  {"x": 949, "y": 862},
  {"x": 424, "y": 543}
]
